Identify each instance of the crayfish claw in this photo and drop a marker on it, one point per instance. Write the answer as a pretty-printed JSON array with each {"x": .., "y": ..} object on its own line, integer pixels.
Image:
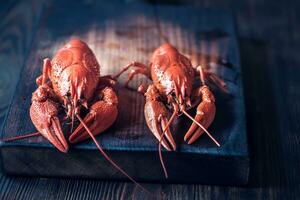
[
  {"x": 156, "y": 118},
  {"x": 205, "y": 115},
  {"x": 55, "y": 135},
  {"x": 43, "y": 113},
  {"x": 168, "y": 133},
  {"x": 80, "y": 133},
  {"x": 194, "y": 131},
  {"x": 102, "y": 115},
  {"x": 156, "y": 129}
]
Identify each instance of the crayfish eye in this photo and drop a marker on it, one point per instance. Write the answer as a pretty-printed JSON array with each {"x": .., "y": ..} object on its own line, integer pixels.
[
  {"x": 174, "y": 97},
  {"x": 173, "y": 94},
  {"x": 68, "y": 95}
]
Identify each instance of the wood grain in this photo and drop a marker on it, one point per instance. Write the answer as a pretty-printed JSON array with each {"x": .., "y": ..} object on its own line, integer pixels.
[
  {"x": 129, "y": 140},
  {"x": 17, "y": 31},
  {"x": 269, "y": 42}
]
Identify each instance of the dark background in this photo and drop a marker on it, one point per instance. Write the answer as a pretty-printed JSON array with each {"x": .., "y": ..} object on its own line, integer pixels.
[{"x": 269, "y": 43}]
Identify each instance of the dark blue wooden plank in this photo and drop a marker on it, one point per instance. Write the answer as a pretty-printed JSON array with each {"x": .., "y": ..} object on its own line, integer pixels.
[
  {"x": 129, "y": 141},
  {"x": 18, "y": 25}
]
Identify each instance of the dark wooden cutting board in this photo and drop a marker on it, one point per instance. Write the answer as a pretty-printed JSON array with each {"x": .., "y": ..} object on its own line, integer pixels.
[{"x": 119, "y": 34}]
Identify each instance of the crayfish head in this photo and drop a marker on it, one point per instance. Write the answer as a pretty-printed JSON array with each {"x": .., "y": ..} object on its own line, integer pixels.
[
  {"x": 177, "y": 82},
  {"x": 180, "y": 93},
  {"x": 76, "y": 86}
]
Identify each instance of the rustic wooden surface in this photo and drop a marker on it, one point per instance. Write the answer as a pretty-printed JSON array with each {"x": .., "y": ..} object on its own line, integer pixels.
[
  {"x": 129, "y": 141},
  {"x": 269, "y": 44}
]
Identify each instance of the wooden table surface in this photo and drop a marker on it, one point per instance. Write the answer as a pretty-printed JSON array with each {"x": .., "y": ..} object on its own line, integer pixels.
[{"x": 270, "y": 47}]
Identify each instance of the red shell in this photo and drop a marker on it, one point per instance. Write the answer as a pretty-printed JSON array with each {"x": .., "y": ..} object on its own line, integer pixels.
[
  {"x": 75, "y": 71},
  {"x": 171, "y": 71}
]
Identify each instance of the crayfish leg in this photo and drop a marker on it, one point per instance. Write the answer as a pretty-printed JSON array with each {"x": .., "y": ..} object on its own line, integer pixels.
[
  {"x": 138, "y": 68},
  {"x": 42, "y": 79}
]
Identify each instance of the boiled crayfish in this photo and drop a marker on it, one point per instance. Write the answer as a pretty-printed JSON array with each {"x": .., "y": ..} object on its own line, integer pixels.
[
  {"x": 173, "y": 77},
  {"x": 72, "y": 81}
]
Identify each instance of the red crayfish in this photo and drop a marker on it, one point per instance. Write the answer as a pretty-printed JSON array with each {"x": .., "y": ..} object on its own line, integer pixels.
[
  {"x": 72, "y": 81},
  {"x": 173, "y": 77}
]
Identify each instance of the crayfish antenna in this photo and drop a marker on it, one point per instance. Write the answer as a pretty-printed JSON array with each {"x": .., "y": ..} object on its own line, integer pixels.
[
  {"x": 21, "y": 137},
  {"x": 161, "y": 138},
  {"x": 72, "y": 119},
  {"x": 108, "y": 158},
  {"x": 202, "y": 127}
]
